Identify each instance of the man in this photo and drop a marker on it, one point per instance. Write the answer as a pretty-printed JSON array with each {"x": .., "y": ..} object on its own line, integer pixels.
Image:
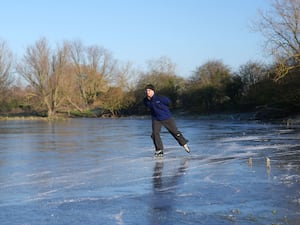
[{"x": 161, "y": 115}]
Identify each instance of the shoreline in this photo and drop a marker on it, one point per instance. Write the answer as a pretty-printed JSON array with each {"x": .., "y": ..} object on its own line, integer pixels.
[{"x": 289, "y": 121}]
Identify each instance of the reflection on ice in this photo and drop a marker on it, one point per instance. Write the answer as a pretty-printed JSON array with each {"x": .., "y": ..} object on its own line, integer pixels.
[
  {"x": 163, "y": 201},
  {"x": 102, "y": 171}
]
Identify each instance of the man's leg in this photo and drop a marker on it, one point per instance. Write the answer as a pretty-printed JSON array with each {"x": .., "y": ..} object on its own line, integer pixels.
[
  {"x": 171, "y": 127},
  {"x": 156, "y": 128}
]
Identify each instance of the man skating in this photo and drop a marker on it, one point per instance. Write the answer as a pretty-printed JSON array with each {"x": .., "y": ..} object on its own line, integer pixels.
[{"x": 161, "y": 116}]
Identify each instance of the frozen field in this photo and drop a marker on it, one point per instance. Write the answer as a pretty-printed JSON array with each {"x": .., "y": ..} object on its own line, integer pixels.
[{"x": 103, "y": 171}]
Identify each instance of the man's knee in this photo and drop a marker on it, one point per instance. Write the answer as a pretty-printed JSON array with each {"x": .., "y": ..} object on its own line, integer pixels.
[{"x": 155, "y": 135}]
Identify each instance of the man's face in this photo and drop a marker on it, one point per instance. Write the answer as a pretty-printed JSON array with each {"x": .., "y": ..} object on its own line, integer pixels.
[{"x": 149, "y": 93}]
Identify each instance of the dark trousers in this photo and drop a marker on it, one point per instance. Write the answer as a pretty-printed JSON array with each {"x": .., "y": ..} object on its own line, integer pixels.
[{"x": 170, "y": 125}]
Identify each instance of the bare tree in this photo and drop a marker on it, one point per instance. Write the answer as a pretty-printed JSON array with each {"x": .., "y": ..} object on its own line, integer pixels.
[
  {"x": 162, "y": 65},
  {"x": 161, "y": 73},
  {"x": 6, "y": 78},
  {"x": 251, "y": 73},
  {"x": 43, "y": 71},
  {"x": 124, "y": 76},
  {"x": 120, "y": 95},
  {"x": 212, "y": 73},
  {"x": 281, "y": 28},
  {"x": 5, "y": 67},
  {"x": 59, "y": 78},
  {"x": 93, "y": 66},
  {"x": 113, "y": 100}
]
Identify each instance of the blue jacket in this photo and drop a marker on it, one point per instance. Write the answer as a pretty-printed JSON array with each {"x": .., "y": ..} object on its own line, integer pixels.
[{"x": 159, "y": 107}]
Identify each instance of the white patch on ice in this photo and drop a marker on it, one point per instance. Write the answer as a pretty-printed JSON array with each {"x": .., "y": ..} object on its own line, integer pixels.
[
  {"x": 119, "y": 217},
  {"x": 243, "y": 138},
  {"x": 290, "y": 179}
]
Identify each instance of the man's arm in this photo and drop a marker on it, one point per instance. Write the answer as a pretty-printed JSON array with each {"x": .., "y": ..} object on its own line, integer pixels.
[{"x": 165, "y": 100}]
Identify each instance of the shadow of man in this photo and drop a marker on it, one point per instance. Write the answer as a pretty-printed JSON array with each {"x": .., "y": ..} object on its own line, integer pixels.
[{"x": 164, "y": 192}]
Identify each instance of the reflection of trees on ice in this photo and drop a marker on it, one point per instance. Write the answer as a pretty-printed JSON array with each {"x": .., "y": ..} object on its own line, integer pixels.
[{"x": 164, "y": 192}]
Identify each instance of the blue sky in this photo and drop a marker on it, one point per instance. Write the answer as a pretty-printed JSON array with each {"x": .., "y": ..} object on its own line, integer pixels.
[{"x": 189, "y": 32}]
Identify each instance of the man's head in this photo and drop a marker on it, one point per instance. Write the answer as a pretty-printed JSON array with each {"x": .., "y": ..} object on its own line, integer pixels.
[{"x": 150, "y": 90}]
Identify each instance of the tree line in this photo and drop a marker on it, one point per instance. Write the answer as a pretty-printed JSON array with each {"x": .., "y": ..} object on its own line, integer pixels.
[{"x": 77, "y": 80}]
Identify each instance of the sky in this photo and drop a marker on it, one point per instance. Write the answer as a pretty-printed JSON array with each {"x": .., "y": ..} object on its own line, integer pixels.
[{"x": 188, "y": 32}]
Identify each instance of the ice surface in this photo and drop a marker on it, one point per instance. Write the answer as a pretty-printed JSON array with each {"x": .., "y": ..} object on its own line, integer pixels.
[{"x": 102, "y": 171}]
